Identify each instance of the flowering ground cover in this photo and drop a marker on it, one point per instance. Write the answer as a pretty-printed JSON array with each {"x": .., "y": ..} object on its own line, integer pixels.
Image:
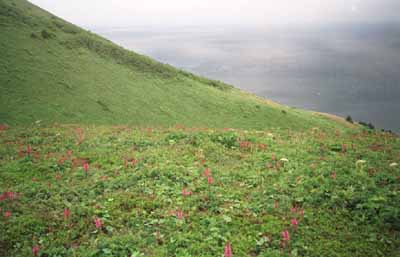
[{"x": 127, "y": 191}]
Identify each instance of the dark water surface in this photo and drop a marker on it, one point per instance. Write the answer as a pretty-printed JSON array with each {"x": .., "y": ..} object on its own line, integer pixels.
[{"x": 346, "y": 70}]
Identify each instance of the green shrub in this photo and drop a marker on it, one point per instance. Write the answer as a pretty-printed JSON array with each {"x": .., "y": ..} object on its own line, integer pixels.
[
  {"x": 103, "y": 106},
  {"x": 367, "y": 125},
  {"x": 228, "y": 140},
  {"x": 349, "y": 119},
  {"x": 46, "y": 35}
]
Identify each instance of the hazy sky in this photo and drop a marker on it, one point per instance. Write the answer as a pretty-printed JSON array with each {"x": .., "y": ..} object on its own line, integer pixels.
[{"x": 106, "y": 13}]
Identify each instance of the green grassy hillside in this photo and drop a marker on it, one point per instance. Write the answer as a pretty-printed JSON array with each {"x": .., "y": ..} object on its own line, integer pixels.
[
  {"x": 342, "y": 189},
  {"x": 53, "y": 71},
  {"x": 283, "y": 182}
]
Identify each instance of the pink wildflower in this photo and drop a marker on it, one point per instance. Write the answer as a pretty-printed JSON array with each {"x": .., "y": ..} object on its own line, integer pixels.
[
  {"x": 179, "y": 215},
  {"x": 185, "y": 192},
  {"x": 262, "y": 146},
  {"x": 285, "y": 235},
  {"x": 228, "y": 250},
  {"x": 67, "y": 213},
  {"x": 86, "y": 167},
  {"x": 28, "y": 149},
  {"x": 295, "y": 222},
  {"x": 35, "y": 250},
  {"x": 7, "y": 214},
  {"x": 97, "y": 222},
  {"x": 3, "y": 196},
  {"x": 209, "y": 180},
  {"x": 11, "y": 195},
  {"x": 207, "y": 172},
  {"x": 293, "y": 209},
  {"x": 244, "y": 144}
]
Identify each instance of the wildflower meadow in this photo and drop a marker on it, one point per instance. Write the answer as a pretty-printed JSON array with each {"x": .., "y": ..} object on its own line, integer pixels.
[{"x": 127, "y": 191}]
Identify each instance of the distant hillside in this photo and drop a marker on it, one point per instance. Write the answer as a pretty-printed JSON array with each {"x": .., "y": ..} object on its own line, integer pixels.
[{"x": 53, "y": 71}]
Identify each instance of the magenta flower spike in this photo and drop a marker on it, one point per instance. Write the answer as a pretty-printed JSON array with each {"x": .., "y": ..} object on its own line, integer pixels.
[
  {"x": 97, "y": 222},
  {"x": 285, "y": 235},
  {"x": 228, "y": 250}
]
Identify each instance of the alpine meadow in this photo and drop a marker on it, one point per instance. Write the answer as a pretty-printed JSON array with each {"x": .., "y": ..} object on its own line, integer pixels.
[{"x": 106, "y": 152}]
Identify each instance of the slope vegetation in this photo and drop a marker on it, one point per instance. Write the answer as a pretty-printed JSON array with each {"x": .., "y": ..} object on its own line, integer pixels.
[{"x": 187, "y": 192}]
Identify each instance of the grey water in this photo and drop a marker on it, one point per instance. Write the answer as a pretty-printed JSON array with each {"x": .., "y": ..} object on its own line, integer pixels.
[{"x": 351, "y": 69}]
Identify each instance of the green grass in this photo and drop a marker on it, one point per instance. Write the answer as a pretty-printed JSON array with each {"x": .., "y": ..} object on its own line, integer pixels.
[
  {"x": 53, "y": 71},
  {"x": 354, "y": 214},
  {"x": 276, "y": 159}
]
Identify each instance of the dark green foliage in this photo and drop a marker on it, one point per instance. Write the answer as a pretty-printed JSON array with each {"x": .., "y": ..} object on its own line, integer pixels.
[
  {"x": 229, "y": 140},
  {"x": 46, "y": 35},
  {"x": 367, "y": 125},
  {"x": 217, "y": 84},
  {"x": 349, "y": 119},
  {"x": 65, "y": 27},
  {"x": 106, "y": 49},
  {"x": 103, "y": 106}
]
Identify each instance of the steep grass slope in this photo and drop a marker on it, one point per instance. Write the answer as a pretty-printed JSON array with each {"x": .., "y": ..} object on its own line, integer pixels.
[
  {"x": 53, "y": 71},
  {"x": 150, "y": 190}
]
